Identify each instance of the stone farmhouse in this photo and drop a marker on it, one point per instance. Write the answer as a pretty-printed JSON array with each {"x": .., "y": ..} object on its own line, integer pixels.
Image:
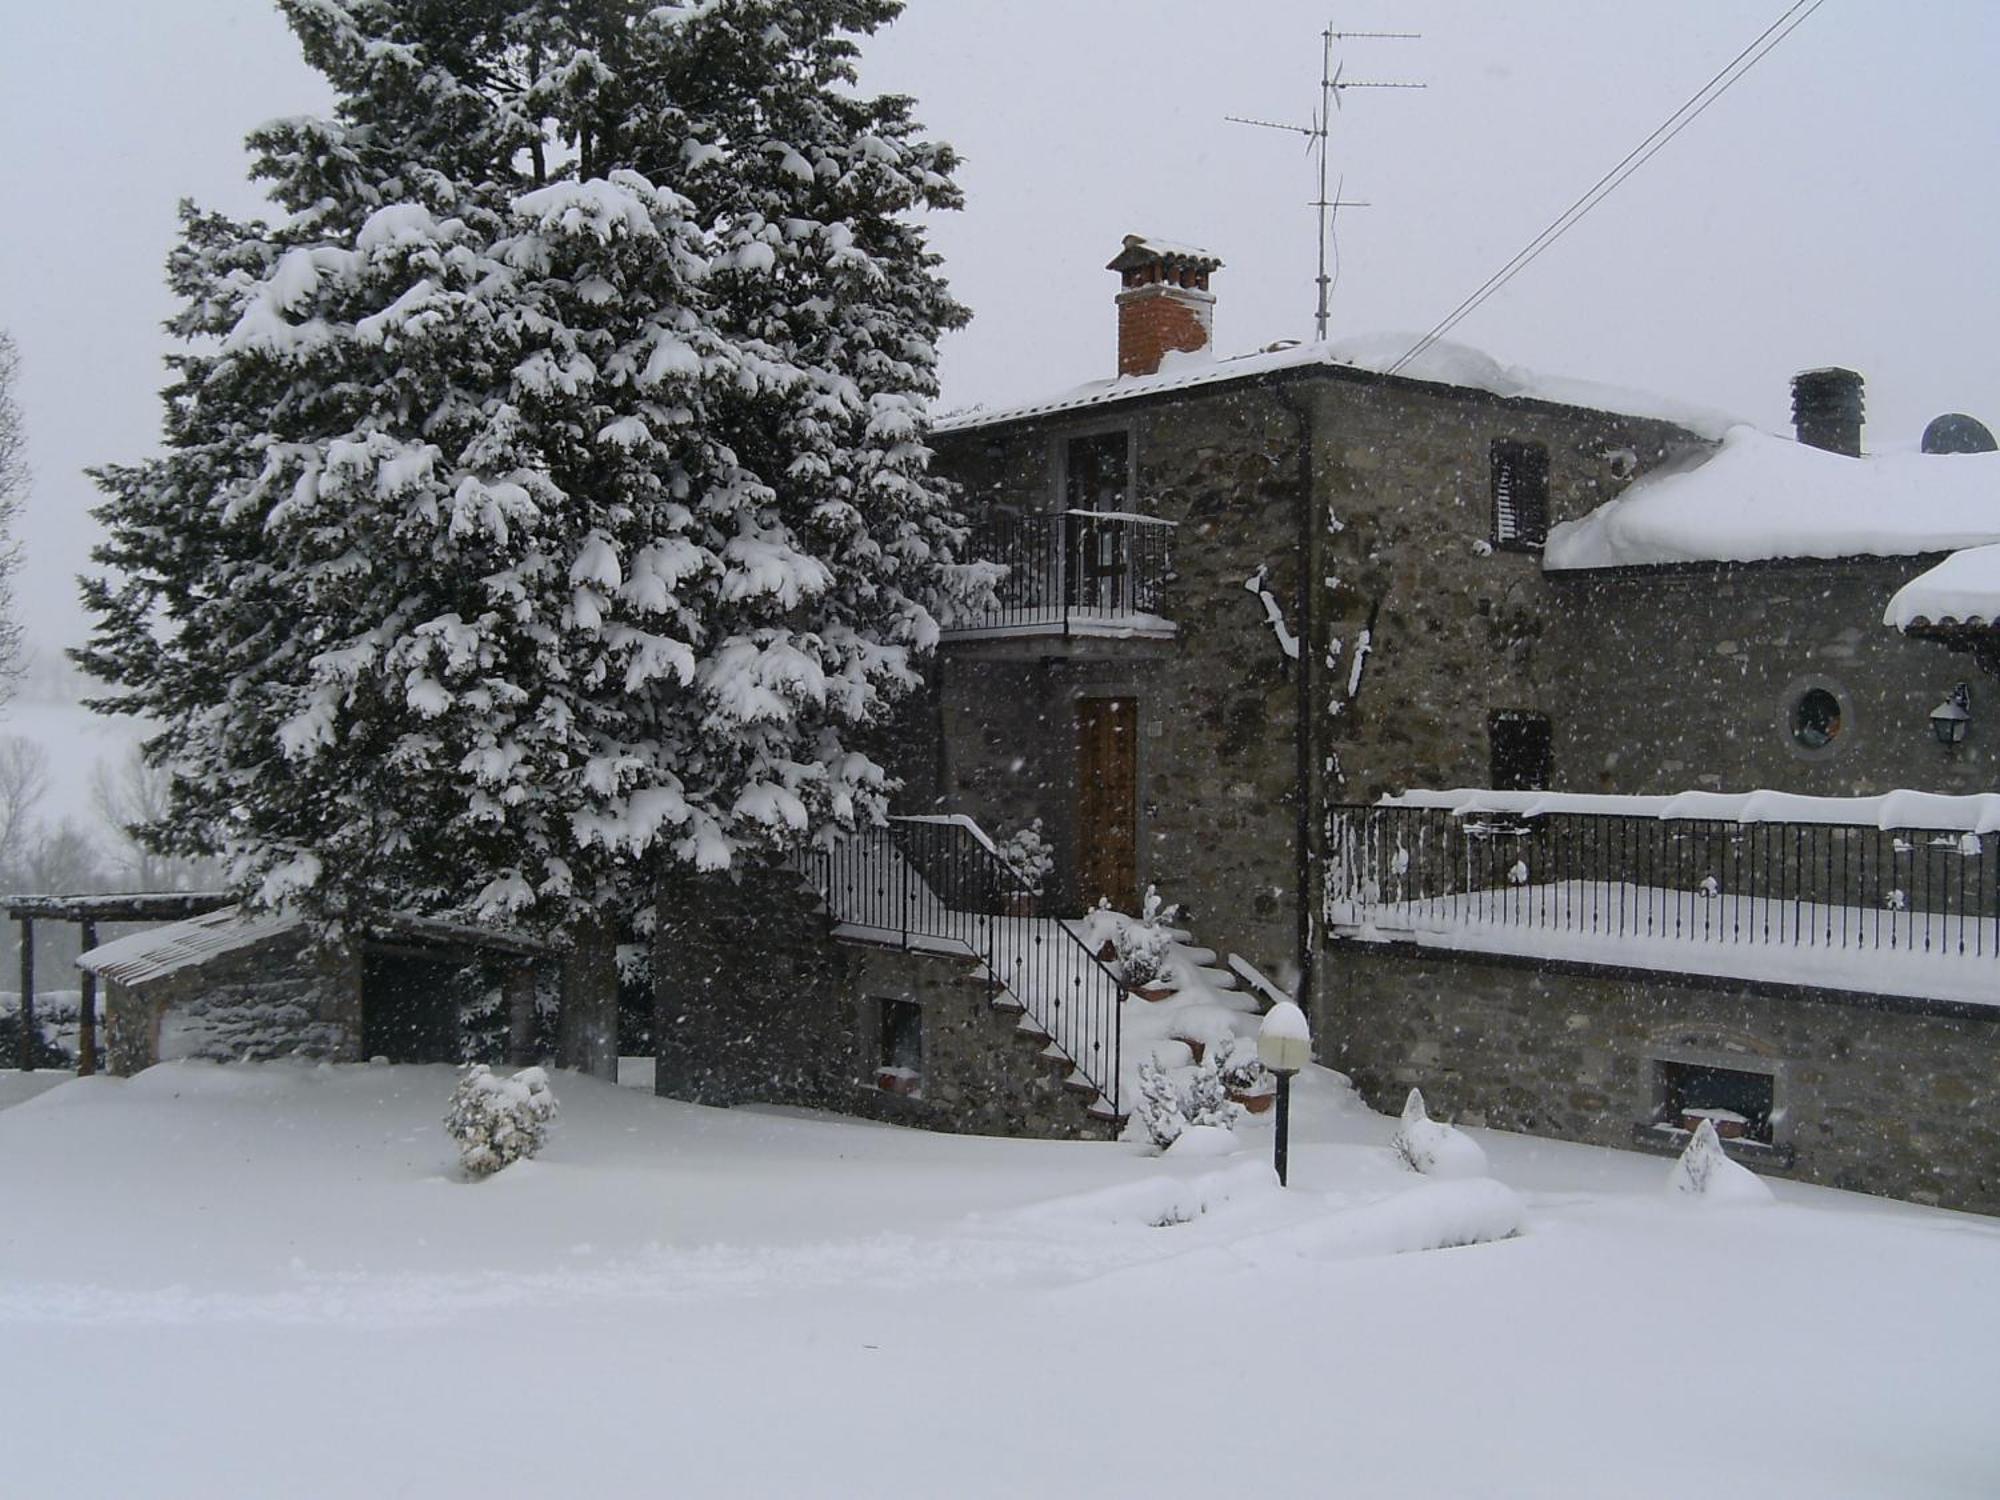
[
  {"x": 1595, "y": 764},
  {"x": 1268, "y": 618}
]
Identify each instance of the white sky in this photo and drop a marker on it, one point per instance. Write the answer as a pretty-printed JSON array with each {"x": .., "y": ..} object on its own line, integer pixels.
[{"x": 1832, "y": 208}]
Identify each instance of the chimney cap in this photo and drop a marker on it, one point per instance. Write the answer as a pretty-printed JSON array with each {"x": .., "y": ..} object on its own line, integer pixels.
[{"x": 1145, "y": 250}]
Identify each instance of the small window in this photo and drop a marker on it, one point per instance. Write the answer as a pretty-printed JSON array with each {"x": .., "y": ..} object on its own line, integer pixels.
[
  {"x": 900, "y": 1066},
  {"x": 1736, "y": 1103},
  {"x": 1522, "y": 749},
  {"x": 1816, "y": 719},
  {"x": 1097, "y": 472},
  {"x": 1520, "y": 494}
]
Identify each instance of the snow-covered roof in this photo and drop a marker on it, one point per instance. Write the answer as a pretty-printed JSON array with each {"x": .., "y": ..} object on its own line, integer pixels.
[
  {"x": 143, "y": 957},
  {"x": 1976, "y": 813},
  {"x": 1964, "y": 589},
  {"x": 1761, "y": 497},
  {"x": 1442, "y": 364}
]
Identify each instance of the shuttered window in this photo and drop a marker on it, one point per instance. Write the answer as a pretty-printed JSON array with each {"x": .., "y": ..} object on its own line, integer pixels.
[{"x": 1520, "y": 494}]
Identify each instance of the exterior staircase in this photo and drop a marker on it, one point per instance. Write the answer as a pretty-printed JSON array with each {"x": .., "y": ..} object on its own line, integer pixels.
[
  {"x": 937, "y": 885},
  {"x": 935, "y": 888}
]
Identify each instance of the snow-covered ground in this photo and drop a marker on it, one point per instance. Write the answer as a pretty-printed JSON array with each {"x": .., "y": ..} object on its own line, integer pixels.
[{"x": 266, "y": 1280}]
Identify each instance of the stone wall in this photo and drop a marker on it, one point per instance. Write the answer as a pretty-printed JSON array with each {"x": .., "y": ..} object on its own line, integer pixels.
[
  {"x": 1684, "y": 678},
  {"x": 277, "y": 1000},
  {"x": 981, "y": 1075},
  {"x": 1218, "y": 806},
  {"x": 1404, "y": 555},
  {"x": 758, "y": 1003},
  {"x": 1871, "y": 1095}
]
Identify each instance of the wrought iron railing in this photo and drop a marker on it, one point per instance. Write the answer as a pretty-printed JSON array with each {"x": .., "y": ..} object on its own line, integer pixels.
[
  {"x": 1905, "y": 911},
  {"x": 1073, "y": 568},
  {"x": 937, "y": 884}
]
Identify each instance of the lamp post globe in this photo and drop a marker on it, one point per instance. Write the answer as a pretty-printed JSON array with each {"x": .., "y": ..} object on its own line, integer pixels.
[{"x": 1284, "y": 1045}]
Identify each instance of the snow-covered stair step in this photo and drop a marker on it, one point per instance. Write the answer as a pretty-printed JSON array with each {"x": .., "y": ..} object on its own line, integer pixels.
[
  {"x": 1188, "y": 953},
  {"x": 1254, "y": 978},
  {"x": 1100, "y": 1109}
]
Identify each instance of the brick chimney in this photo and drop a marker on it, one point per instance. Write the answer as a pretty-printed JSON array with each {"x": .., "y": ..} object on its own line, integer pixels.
[
  {"x": 1827, "y": 410},
  {"x": 1164, "y": 304}
]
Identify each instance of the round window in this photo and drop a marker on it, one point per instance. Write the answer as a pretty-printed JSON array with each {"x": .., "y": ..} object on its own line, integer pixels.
[{"x": 1816, "y": 718}]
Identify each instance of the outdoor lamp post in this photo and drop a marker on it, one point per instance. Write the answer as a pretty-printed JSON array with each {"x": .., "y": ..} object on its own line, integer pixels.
[
  {"x": 1949, "y": 718},
  {"x": 1284, "y": 1045}
]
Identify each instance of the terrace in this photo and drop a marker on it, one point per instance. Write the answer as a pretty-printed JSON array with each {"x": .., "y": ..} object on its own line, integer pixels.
[
  {"x": 1892, "y": 895},
  {"x": 1074, "y": 573}
]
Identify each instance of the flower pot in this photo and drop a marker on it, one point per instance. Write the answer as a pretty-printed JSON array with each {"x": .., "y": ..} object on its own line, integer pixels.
[
  {"x": 902, "y": 1081},
  {"x": 1021, "y": 903},
  {"x": 1256, "y": 1103},
  {"x": 1152, "y": 991}
]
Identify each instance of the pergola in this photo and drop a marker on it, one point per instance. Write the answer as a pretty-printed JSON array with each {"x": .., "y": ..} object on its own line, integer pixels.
[{"x": 87, "y": 912}]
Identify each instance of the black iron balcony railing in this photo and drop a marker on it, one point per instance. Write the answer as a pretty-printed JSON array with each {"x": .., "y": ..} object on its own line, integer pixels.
[
  {"x": 1075, "y": 571},
  {"x": 1900, "y": 911},
  {"x": 937, "y": 884}
]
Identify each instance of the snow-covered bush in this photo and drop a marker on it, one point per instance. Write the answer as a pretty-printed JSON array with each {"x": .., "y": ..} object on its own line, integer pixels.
[
  {"x": 1029, "y": 856},
  {"x": 1433, "y": 1147},
  {"x": 497, "y": 1121},
  {"x": 1236, "y": 1059},
  {"x": 1143, "y": 943},
  {"x": 1705, "y": 1172},
  {"x": 1169, "y": 1103}
]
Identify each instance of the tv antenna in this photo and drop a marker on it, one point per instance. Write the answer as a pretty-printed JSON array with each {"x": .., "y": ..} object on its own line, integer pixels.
[{"x": 1331, "y": 86}]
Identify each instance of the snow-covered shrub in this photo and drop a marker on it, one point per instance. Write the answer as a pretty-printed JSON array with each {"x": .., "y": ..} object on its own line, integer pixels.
[
  {"x": 497, "y": 1121},
  {"x": 1705, "y": 1172},
  {"x": 1171, "y": 1102},
  {"x": 1159, "y": 1107},
  {"x": 1143, "y": 943},
  {"x": 1029, "y": 856},
  {"x": 47, "y": 1053},
  {"x": 1236, "y": 1059},
  {"x": 1433, "y": 1147}
]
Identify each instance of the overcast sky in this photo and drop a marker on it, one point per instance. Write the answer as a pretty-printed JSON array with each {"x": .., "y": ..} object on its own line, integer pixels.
[{"x": 1834, "y": 207}]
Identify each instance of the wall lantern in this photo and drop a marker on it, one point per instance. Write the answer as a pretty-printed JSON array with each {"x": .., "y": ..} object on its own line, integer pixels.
[
  {"x": 1950, "y": 718},
  {"x": 1284, "y": 1045}
]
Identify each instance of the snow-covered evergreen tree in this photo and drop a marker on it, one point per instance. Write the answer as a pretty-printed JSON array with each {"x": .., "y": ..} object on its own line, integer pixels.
[{"x": 546, "y": 498}]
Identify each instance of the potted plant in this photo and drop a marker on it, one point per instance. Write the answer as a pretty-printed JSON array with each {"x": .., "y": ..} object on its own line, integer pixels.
[{"x": 1031, "y": 861}]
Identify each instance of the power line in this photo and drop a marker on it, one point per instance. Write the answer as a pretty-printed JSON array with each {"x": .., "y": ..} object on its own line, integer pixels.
[{"x": 1691, "y": 110}]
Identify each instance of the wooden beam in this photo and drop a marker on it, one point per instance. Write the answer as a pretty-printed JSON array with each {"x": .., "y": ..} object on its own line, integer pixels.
[
  {"x": 29, "y": 1033},
  {"x": 142, "y": 906},
  {"x": 86, "y": 1010},
  {"x": 518, "y": 986}
]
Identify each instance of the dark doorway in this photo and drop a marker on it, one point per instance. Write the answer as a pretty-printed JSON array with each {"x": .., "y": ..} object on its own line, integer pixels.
[
  {"x": 1522, "y": 751},
  {"x": 1107, "y": 801},
  {"x": 409, "y": 1008},
  {"x": 1097, "y": 472}
]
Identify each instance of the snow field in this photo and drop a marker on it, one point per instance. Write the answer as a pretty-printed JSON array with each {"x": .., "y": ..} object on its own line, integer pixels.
[{"x": 266, "y": 1279}]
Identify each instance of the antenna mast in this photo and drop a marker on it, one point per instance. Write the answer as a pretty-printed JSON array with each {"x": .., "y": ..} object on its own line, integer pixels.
[{"x": 1331, "y": 86}]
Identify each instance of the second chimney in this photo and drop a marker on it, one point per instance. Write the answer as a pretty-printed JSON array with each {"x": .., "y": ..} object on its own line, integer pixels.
[
  {"x": 1827, "y": 409},
  {"x": 1164, "y": 304}
]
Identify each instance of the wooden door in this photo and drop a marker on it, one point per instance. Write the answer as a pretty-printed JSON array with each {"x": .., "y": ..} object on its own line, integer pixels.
[{"x": 1107, "y": 801}]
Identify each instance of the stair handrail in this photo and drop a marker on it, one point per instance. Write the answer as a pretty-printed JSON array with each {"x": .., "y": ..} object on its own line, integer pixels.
[{"x": 949, "y": 882}]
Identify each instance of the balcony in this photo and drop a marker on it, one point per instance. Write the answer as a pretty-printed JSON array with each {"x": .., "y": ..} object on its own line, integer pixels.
[
  {"x": 1894, "y": 895},
  {"x": 1073, "y": 573}
]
